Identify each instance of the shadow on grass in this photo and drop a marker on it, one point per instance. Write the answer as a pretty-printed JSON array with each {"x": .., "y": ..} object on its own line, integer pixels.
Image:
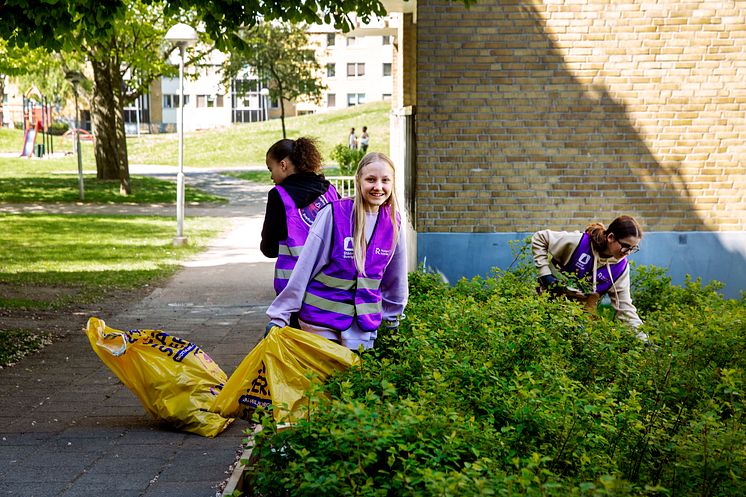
[{"x": 64, "y": 188}]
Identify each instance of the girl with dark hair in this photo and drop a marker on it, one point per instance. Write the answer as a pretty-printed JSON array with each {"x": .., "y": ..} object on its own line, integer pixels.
[
  {"x": 300, "y": 192},
  {"x": 352, "y": 274},
  {"x": 597, "y": 256}
]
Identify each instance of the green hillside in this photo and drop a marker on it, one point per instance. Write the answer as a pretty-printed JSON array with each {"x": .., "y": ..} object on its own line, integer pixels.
[
  {"x": 236, "y": 145},
  {"x": 247, "y": 144}
]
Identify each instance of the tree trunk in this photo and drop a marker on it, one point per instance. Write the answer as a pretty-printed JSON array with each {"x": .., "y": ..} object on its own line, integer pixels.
[
  {"x": 282, "y": 118},
  {"x": 107, "y": 113},
  {"x": 2, "y": 95}
]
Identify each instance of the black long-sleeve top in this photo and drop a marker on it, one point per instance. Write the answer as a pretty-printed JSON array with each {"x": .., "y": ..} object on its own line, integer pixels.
[{"x": 303, "y": 188}]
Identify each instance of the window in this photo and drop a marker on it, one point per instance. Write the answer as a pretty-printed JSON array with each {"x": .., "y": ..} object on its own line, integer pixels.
[
  {"x": 171, "y": 101},
  {"x": 331, "y": 100},
  {"x": 330, "y": 39},
  {"x": 219, "y": 101},
  {"x": 331, "y": 70},
  {"x": 355, "y": 69},
  {"x": 355, "y": 99},
  {"x": 387, "y": 39},
  {"x": 201, "y": 101},
  {"x": 386, "y": 97},
  {"x": 351, "y": 41},
  {"x": 387, "y": 68}
]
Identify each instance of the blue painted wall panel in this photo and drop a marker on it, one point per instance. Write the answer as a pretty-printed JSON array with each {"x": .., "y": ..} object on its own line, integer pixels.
[{"x": 709, "y": 255}]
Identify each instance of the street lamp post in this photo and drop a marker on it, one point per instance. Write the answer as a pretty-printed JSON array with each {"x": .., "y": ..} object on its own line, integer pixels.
[
  {"x": 182, "y": 36},
  {"x": 75, "y": 77},
  {"x": 264, "y": 92}
]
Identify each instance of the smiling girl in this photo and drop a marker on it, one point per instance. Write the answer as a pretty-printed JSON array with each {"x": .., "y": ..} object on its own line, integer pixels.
[{"x": 352, "y": 273}]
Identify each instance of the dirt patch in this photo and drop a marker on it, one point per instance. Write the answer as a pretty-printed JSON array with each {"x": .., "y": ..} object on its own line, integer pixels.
[
  {"x": 36, "y": 293},
  {"x": 69, "y": 318}
]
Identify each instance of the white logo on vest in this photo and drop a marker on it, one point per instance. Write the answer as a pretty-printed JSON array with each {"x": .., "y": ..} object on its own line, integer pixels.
[{"x": 348, "y": 247}]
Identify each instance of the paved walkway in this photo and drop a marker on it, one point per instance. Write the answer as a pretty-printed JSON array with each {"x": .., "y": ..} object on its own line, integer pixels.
[{"x": 70, "y": 428}]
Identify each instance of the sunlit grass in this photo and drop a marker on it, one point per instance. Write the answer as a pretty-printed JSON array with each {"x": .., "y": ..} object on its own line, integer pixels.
[
  {"x": 64, "y": 188},
  {"x": 91, "y": 255},
  {"x": 247, "y": 144},
  {"x": 230, "y": 146}
]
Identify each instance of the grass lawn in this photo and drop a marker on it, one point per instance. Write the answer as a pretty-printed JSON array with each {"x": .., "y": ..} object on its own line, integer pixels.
[
  {"x": 247, "y": 144},
  {"x": 59, "y": 263},
  {"x": 55, "y": 179},
  {"x": 81, "y": 255},
  {"x": 64, "y": 188}
]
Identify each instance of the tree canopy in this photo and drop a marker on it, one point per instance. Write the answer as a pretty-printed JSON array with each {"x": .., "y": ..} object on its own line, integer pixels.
[
  {"x": 280, "y": 54},
  {"x": 55, "y": 24}
]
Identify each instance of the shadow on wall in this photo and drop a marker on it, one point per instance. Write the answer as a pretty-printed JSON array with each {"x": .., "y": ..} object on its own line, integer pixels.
[{"x": 541, "y": 149}]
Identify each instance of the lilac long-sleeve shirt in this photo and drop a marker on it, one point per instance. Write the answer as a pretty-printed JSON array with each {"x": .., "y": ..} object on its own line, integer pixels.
[{"x": 315, "y": 255}]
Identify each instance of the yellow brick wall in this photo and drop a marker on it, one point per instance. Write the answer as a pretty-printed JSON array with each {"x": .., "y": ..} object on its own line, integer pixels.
[{"x": 536, "y": 114}]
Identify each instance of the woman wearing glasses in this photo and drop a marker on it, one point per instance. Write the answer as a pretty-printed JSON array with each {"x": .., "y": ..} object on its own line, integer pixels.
[{"x": 597, "y": 256}]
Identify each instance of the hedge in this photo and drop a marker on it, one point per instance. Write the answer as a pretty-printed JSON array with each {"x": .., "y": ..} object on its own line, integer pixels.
[{"x": 491, "y": 389}]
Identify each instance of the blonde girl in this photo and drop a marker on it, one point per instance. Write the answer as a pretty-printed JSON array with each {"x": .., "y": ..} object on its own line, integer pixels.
[{"x": 352, "y": 274}]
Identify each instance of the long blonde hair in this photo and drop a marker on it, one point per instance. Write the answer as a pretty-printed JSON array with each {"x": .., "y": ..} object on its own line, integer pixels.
[{"x": 360, "y": 246}]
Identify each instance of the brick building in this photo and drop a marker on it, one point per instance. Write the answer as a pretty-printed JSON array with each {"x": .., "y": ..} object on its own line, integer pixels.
[{"x": 551, "y": 114}]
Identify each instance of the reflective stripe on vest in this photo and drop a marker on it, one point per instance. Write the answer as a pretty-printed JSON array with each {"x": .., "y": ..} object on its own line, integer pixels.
[
  {"x": 581, "y": 264},
  {"x": 338, "y": 294},
  {"x": 299, "y": 223}
]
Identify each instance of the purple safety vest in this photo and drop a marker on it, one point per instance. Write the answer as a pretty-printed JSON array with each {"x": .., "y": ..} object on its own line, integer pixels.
[
  {"x": 581, "y": 263},
  {"x": 339, "y": 293},
  {"x": 299, "y": 221}
]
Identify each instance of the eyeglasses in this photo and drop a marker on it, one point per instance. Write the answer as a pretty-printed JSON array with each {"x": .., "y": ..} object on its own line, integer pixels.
[{"x": 627, "y": 248}]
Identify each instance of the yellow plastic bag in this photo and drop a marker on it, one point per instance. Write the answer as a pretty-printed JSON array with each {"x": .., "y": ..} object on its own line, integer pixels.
[
  {"x": 174, "y": 379},
  {"x": 274, "y": 373}
]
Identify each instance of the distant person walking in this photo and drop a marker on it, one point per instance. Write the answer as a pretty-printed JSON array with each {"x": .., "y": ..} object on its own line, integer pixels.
[
  {"x": 352, "y": 140},
  {"x": 364, "y": 139}
]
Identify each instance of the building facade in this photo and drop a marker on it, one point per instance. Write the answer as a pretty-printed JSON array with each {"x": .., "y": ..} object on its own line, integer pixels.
[
  {"x": 544, "y": 114},
  {"x": 356, "y": 67}
]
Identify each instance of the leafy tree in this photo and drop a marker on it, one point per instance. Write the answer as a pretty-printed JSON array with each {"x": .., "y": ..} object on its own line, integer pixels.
[
  {"x": 124, "y": 50},
  {"x": 279, "y": 53},
  {"x": 105, "y": 31}
]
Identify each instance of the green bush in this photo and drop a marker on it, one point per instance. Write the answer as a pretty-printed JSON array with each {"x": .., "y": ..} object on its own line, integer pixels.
[
  {"x": 491, "y": 389},
  {"x": 347, "y": 158},
  {"x": 58, "y": 128}
]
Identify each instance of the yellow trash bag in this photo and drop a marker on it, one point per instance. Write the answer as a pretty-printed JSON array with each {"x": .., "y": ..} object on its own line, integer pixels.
[
  {"x": 274, "y": 373},
  {"x": 174, "y": 379}
]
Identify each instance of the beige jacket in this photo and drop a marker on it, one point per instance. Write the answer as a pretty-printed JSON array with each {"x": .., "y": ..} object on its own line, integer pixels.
[{"x": 552, "y": 249}]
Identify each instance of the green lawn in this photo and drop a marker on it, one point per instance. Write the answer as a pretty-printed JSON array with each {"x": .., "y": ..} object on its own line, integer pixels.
[
  {"x": 82, "y": 255},
  {"x": 58, "y": 263},
  {"x": 236, "y": 145},
  {"x": 247, "y": 144},
  {"x": 64, "y": 188}
]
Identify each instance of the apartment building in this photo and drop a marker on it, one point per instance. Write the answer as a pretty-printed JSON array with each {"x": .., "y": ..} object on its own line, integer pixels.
[{"x": 356, "y": 67}]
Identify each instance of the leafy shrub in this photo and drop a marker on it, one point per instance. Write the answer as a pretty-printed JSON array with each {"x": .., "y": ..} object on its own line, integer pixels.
[
  {"x": 489, "y": 388},
  {"x": 347, "y": 158},
  {"x": 58, "y": 128}
]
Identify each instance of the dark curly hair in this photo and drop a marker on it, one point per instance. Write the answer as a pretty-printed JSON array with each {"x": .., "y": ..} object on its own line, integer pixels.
[{"x": 302, "y": 152}]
